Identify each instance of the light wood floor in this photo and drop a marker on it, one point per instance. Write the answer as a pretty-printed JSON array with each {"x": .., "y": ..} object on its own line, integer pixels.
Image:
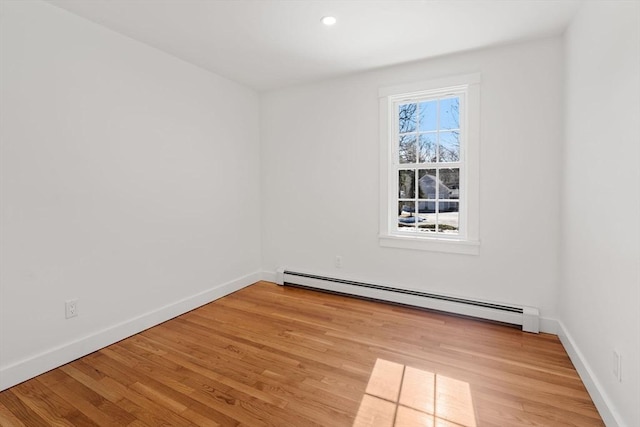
[{"x": 270, "y": 355}]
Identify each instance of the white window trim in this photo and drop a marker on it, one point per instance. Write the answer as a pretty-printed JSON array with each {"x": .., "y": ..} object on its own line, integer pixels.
[{"x": 389, "y": 237}]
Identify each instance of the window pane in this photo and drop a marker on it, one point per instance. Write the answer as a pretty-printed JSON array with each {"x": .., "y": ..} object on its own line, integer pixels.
[
  {"x": 407, "y": 118},
  {"x": 449, "y": 146},
  {"x": 407, "y": 148},
  {"x": 406, "y": 184},
  {"x": 450, "y": 113},
  {"x": 406, "y": 214},
  {"x": 427, "y": 148},
  {"x": 426, "y": 206},
  {"x": 427, "y": 183},
  {"x": 449, "y": 217},
  {"x": 427, "y": 222},
  {"x": 450, "y": 179},
  {"x": 406, "y": 207},
  {"x": 428, "y": 116}
]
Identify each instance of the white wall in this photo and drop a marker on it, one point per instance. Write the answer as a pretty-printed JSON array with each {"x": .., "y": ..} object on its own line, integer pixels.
[
  {"x": 600, "y": 286},
  {"x": 320, "y": 178},
  {"x": 130, "y": 180}
]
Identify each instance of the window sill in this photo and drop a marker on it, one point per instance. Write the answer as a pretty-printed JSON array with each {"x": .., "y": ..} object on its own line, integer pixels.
[{"x": 434, "y": 244}]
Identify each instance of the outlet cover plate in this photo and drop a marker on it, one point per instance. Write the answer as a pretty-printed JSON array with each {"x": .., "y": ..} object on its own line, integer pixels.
[{"x": 70, "y": 308}]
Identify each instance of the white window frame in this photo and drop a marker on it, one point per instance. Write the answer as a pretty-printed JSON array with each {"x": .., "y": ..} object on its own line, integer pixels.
[{"x": 467, "y": 240}]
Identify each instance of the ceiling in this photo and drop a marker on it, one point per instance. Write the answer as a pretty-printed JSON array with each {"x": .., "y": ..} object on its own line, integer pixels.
[{"x": 268, "y": 44}]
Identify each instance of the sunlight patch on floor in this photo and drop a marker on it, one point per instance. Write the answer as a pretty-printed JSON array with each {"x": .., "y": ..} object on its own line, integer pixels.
[{"x": 404, "y": 396}]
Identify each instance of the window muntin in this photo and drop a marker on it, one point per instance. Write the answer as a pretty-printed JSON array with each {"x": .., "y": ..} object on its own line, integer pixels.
[{"x": 428, "y": 165}]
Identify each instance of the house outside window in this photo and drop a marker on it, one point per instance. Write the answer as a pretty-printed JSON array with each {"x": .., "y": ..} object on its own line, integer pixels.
[{"x": 429, "y": 165}]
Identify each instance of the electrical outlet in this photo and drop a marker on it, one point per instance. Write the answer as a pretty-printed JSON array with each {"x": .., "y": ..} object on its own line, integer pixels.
[
  {"x": 338, "y": 261},
  {"x": 71, "y": 308},
  {"x": 617, "y": 366}
]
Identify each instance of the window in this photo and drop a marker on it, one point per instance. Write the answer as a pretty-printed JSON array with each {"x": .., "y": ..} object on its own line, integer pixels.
[{"x": 429, "y": 165}]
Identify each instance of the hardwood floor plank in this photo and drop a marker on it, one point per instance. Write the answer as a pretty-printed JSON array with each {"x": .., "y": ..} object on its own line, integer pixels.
[
  {"x": 20, "y": 410},
  {"x": 278, "y": 356},
  {"x": 194, "y": 382},
  {"x": 8, "y": 419},
  {"x": 48, "y": 406},
  {"x": 94, "y": 406}
]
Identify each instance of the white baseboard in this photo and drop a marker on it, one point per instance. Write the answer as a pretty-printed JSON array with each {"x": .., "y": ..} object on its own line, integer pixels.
[
  {"x": 603, "y": 404},
  {"x": 549, "y": 326},
  {"x": 269, "y": 276},
  {"x": 65, "y": 353}
]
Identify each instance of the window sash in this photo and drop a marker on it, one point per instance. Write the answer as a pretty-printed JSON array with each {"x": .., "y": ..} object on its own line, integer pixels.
[{"x": 394, "y": 226}]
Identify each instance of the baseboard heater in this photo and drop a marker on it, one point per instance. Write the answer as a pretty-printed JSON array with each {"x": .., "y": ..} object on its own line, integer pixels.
[{"x": 527, "y": 317}]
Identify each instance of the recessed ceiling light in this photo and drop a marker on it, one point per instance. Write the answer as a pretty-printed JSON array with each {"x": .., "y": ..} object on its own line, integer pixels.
[{"x": 328, "y": 20}]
